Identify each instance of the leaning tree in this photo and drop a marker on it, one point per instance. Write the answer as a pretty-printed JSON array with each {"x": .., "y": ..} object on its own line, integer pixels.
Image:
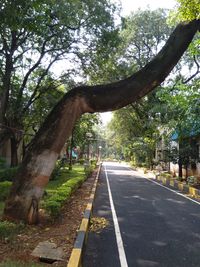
[{"x": 33, "y": 175}]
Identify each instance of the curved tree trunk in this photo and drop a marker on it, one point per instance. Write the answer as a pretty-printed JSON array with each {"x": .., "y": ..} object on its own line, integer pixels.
[{"x": 39, "y": 161}]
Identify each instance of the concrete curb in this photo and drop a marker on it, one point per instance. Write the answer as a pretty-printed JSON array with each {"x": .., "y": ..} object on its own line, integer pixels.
[
  {"x": 76, "y": 255},
  {"x": 179, "y": 186}
]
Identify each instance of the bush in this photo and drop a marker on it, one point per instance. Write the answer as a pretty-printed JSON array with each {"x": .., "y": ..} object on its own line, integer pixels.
[
  {"x": 133, "y": 164},
  {"x": 8, "y": 229},
  {"x": 2, "y": 162},
  {"x": 57, "y": 170},
  {"x": 88, "y": 170},
  {"x": 81, "y": 161},
  {"x": 4, "y": 189},
  {"x": 180, "y": 179},
  {"x": 2, "y": 205},
  {"x": 142, "y": 165},
  {"x": 8, "y": 174},
  {"x": 53, "y": 207},
  {"x": 57, "y": 197},
  {"x": 192, "y": 180},
  {"x": 93, "y": 162},
  {"x": 166, "y": 175}
]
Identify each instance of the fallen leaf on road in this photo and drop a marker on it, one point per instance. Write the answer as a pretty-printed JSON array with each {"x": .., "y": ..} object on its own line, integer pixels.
[{"x": 98, "y": 223}]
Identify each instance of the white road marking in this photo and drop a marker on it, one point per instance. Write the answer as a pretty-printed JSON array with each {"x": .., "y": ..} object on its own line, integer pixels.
[
  {"x": 120, "y": 246},
  {"x": 174, "y": 191},
  {"x": 177, "y": 193}
]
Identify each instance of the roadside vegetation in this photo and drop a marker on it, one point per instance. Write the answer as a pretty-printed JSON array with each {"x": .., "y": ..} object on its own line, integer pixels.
[
  {"x": 62, "y": 186},
  {"x": 59, "y": 190},
  {"x": 162, "y": 130}
]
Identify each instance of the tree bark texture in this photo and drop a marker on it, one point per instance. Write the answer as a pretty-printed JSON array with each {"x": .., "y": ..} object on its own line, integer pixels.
[
  {"x": 14, "y": 152},
  {"x": 39, "y": 160}
]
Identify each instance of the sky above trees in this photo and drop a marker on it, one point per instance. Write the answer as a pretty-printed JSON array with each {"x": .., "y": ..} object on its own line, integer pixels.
[{"x": 130, "y": 5}]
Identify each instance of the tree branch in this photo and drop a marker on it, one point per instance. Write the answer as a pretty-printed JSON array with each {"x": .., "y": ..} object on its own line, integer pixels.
[
  {"x": 33, "y": 98},
  {"x": 193, "y": 75},
  {"x": 108, "y": 97},
  {"x": 32, "y": 69},
  {"x": 145, "y": 80}
]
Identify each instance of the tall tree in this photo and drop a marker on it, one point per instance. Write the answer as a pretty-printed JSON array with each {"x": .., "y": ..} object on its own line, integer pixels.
[
  {"x": 143, "y": 33},
  {"x": 36, "y": 34},
  {"x": 141, "y": 36},
  {"x": 182, "y": 120}
]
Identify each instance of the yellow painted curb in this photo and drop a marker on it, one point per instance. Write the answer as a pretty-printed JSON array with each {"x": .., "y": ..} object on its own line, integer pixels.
[
  {"x": 92, "y": 195},
  {"x": 75, "y": 258},
  {"x": 84, "y": 225},
  {"x": 192, "y": 191},
  {"x": 180, "y": 186},
  {"x": 89, "y": 206}
]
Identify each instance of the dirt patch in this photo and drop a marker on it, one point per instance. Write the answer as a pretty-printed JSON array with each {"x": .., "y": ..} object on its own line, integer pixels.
[{"x": 62, "y": 231}]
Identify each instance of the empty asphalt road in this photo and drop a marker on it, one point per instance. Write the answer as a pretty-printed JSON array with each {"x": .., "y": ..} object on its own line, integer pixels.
[{"x": 149, "y": 225}]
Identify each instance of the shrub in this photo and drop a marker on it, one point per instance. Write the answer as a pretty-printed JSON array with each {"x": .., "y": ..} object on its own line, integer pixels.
[
  {"x": 54, "y": 202},
  {"x": 8, "y": 174},
  {"x": 166, "y": 175},
  {"x": 53, "y": 207},
  {"x": 57, "y": 170},
  {"x": 192, "y": 180},
  {"x": 4, "y": 189},
  {"x": 88, "y": 170},
  {"x": 93, "y": 162},
  {"x": 133, "y": 164},
  {"x": 81, "y": 161},
  {"x": 2, "y": 205},
  {"x": 2, "y": 162},
  {"x": 179, "y": 178},
  {"x": 8, "y": 229}
]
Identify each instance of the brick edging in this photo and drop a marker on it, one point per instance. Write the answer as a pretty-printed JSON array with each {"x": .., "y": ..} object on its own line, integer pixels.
[{"x": 75, "y": 259}]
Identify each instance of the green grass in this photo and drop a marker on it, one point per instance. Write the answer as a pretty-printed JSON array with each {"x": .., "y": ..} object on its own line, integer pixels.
[
  {"x": 65, "y": 175},
  {"x": 9, "y": 263}
]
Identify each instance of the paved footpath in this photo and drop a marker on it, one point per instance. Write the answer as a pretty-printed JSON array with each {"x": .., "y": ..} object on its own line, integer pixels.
[{"x": 149, "y": 225}]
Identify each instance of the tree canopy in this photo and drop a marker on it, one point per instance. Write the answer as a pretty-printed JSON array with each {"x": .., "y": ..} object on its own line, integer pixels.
[
  {"x": 187, "y": 10},
  {"x": 34, "y": 36}
]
